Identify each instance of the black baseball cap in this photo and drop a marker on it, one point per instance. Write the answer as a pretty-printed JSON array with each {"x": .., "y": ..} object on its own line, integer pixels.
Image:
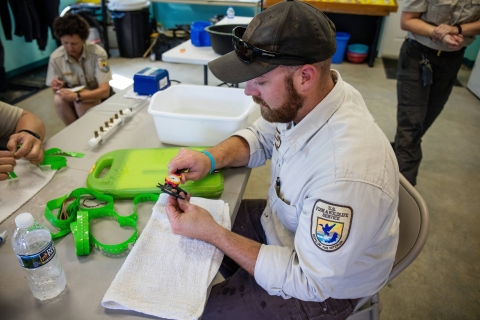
[{"x": 290, "y": 27}]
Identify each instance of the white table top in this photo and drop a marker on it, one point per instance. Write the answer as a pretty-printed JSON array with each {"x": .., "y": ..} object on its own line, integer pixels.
[
  {"x": 188, "y": 53},
  {"x": 88, "y": 277}
]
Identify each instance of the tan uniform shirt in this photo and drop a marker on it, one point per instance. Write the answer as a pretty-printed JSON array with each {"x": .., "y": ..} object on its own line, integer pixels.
[
  {"x": 436, "y": 12},
  {"x": 91, "y": 69},
  {"x": 9, "y": 116}
]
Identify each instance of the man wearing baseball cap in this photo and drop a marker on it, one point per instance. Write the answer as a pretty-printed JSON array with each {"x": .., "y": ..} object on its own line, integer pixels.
[{"x": 328, "y": 231}]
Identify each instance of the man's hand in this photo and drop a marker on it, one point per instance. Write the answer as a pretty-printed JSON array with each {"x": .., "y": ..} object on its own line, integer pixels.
[
  {"x": 453, "y": 41},
  {"x": 190, "y": 220},
  {"x": 32, "y": 148},
  {"x": 67, "y": 95},
  {"x": 442, "y": 30},
  {"x": 197, "y": 163},
  {"x": 56, "y": 84},
  {"x": 7, "y": 163}
]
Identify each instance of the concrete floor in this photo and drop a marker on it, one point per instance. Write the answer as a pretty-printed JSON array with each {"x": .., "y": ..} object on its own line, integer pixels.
[{"x": 444, "y": 281}]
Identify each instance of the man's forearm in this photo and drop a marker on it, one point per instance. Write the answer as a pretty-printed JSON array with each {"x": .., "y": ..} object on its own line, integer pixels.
[
  {"x": 233, "y": 152},
  {"x": 29, "y": 121},
  {"x": 242, "y": 250}
]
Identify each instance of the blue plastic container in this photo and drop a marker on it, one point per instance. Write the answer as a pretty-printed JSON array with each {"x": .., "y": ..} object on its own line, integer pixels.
[
  {"x": 198, "y": 35},
  {"x": 358, "y": 48},
  {"x": 342, "y": 40}
]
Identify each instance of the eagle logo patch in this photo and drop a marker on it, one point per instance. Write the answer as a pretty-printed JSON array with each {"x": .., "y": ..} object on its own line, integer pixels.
[
  {"x": 330, "y": 225},
  {"x": 103, "y": 65}
]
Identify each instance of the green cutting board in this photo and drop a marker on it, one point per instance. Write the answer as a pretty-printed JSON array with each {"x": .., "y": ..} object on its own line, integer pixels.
[{"x": 126, "y": 173}]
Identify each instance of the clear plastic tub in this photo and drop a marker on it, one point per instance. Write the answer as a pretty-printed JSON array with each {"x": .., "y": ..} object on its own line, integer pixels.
[{"x": 190, "y": 115}]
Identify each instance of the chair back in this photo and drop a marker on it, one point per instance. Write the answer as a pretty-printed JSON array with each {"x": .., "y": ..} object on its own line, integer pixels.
[{"x": 414, "y": 223}]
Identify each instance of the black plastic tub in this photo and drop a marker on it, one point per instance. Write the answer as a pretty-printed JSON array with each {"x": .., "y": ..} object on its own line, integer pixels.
[{"x": 221, "y": 37}]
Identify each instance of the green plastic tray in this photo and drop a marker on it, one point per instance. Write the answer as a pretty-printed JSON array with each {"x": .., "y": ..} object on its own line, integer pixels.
[{"x": 126, "y": 173}]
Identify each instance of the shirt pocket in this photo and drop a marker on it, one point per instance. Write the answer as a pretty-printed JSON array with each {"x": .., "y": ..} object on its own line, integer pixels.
[
  {"x": 91, "y": 81},
  {"x": 286, "y": 213},
  {"x": 474, "y": 8},
  {"x": 440, "y": 11}
]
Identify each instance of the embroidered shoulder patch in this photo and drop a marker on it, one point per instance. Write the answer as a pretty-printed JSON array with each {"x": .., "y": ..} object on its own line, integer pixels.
[
  {"x": 330, "y": 225},
  {"x": 103, "y": 64}
]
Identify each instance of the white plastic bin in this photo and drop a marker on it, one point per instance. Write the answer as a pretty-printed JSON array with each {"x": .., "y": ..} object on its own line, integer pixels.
[{"x": 190, "y": 115}]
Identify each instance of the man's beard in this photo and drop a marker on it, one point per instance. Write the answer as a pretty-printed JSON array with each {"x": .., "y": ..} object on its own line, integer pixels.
[{"x": 288, "y": 111}]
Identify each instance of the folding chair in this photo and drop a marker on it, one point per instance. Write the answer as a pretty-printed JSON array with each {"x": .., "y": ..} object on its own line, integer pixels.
[{"x": 414, "y": 221}]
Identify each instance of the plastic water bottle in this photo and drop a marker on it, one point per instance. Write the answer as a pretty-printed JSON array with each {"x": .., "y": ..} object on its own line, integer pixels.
[
  {"x": 33, "y": 245},
  {"x": 230, "y": 13}
]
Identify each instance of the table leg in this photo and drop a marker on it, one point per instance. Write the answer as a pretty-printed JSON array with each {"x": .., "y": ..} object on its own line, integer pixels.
[
  {"x": 205, "y": 75},
  {"x": 105, "y": 28},
  {"x": 373, "y": 47}
]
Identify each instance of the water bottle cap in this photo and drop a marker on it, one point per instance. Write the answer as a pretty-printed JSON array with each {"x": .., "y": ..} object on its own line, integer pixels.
[{"x": 24, "y": 220}]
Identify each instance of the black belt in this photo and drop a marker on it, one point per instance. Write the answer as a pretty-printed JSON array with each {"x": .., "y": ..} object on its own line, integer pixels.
[{"x": 436, "y": 52}]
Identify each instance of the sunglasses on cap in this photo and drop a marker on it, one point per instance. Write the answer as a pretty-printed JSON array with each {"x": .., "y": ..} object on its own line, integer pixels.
[{"x": 247, "y": 52}]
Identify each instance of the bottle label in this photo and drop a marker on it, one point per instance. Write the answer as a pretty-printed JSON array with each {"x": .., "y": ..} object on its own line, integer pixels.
[{"x": 38, "y": 259}]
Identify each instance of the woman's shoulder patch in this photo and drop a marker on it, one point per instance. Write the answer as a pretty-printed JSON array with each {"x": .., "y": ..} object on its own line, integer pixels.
[
  {"x": 103, "y": 64},
  {"x": 330, "y": 225}
]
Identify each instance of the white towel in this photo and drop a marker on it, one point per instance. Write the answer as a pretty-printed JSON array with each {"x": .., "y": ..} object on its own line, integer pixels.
[
  {"x": 15, "y": 192},
  {"x": 167, "y": 275}
]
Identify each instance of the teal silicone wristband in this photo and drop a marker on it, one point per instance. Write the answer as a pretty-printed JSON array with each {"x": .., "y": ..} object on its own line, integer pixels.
[{"x": 208, "y": 154}]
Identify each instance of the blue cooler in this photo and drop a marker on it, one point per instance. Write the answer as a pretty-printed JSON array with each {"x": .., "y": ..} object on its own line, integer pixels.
[{"x": 150, "y": 80}]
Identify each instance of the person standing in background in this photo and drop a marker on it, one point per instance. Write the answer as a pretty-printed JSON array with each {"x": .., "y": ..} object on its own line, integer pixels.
[
  {"x": 430, "y": 57},
  {"x": 77, "y": 63}
]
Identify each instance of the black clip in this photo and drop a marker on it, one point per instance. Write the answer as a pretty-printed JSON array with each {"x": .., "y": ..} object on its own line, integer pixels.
[{"x": 173, "y": 191}]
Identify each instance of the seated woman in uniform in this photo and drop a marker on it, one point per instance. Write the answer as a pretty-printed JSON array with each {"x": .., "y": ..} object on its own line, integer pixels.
[{"x": 76, "y": 64}]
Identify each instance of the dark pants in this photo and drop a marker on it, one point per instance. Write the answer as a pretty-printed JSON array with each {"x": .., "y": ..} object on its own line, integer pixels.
[
  {"x": 240, "y": 297},
  {"x": 419, "y": 106}
]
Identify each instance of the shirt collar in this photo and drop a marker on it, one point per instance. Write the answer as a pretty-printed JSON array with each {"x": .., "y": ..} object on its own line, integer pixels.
[{"x": 298, "y": 135}]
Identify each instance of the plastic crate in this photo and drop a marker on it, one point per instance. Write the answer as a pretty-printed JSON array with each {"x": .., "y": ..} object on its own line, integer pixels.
[{"x": 198, "y": 35}]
